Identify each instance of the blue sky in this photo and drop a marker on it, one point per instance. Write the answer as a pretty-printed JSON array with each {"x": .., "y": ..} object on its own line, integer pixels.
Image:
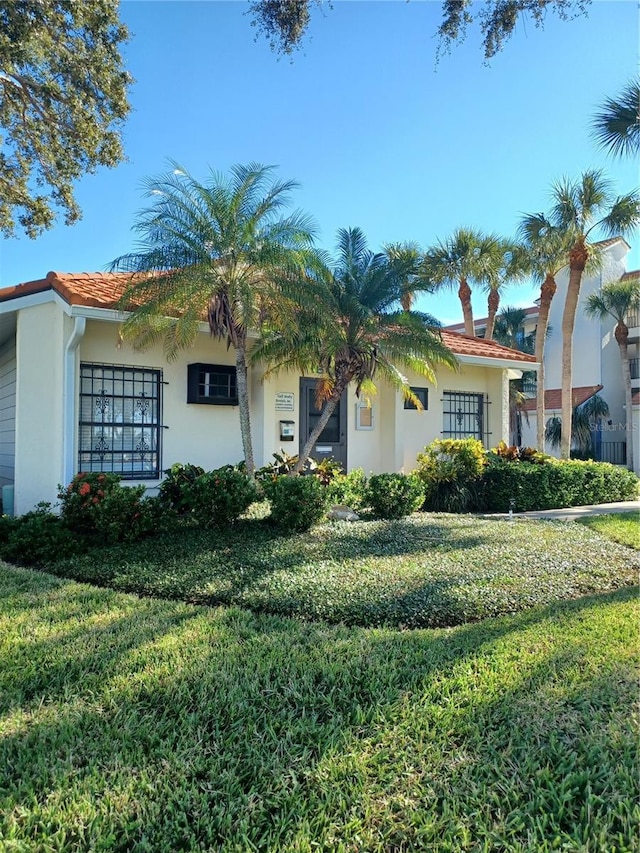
[{"x": 377, "y": 135}]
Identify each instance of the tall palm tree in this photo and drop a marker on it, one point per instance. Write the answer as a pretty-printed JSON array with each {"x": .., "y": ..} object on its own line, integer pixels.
[
  {"x": 617, "y": 300},
  {"x": 407, "y": 256},
  {"x": 510, "y": 332},
  {"x": 548, "y": 249},
  {"x": 616, "y": 126},
  {"x": 580, "y": 207},
  {"x": 468, "y": 256},
  {"x": 513, "y": 265},
  {"x": 210, "y": 250},
  {"x": 351, "y": 326}
]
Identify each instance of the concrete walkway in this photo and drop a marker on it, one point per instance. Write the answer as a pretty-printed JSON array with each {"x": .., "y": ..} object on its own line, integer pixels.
[{"x": 573, "y": 512}]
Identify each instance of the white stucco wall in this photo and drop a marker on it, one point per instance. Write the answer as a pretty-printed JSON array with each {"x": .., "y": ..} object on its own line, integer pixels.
[
  {"x": 200, "y": 434},
  {"x": 7, "y": 412},
  {"x": 38, "y": 423}
]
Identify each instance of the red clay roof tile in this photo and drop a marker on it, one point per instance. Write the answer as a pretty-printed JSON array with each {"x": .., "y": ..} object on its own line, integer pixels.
[
  {"x": 553, "y": 397},
  {"x": 103, "y": 290}
]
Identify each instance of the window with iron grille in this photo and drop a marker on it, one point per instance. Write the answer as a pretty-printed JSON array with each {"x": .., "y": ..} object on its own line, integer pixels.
[
  {"x": 120, "y": 421},
  {"x": 213, "y": 384},
  {"x": 465, "y": 415}
]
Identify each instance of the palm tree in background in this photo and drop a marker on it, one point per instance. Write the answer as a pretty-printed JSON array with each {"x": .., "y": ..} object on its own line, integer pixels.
[
  {"x": 585, "y": 419},
  {"x": 512, "y": 266},
  {"x": 467, "y": 257},
  {"x": 408, "y": 256},
  {"x": 580, "y": 207},
  {"x": 351, "y": 326},
  {"x": 618, "y": 300},
  {"x": 616, "y": 126},
  {"x": 548, "y": 249},
  {"x": 210, "y": 251},
  {"x": 510, "y": 332}
]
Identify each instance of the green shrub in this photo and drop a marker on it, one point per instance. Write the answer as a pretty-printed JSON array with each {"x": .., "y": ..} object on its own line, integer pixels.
[
  {"x": 348, "y": 489},
  {"x": 297, "y": 502},
  {"x": 554, "y": 484},
  {"x": 172, "y": 488},
  {"x": 38, "y": 538},
  {"x": 394, "y": 495},
  {"x": 451, "y": 470},
  {"x": 220, "y": 497},
  {"x": 80, "y": 499},
  {"x": 125, "y": 515}
]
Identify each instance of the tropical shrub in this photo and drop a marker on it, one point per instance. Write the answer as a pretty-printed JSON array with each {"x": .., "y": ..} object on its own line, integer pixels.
[
  {"x": 126, "y": 515},
  {"x": 297, "y": 502},
  {"x": 220, "y": 497},
  {"x": 513, "y": 453},
  {"x": 80, "y": 499},
  {"x": 554, "y": 484},
  {"x": 348, "y": 489},
  {"x": 172, "y": 488},
  {"x": 38, "y": 538},
  {"x": 394, "y": 495},
  {"x": 451, "y": 470}
]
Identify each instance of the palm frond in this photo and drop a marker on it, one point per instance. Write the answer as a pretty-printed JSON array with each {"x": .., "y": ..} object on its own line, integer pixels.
[{"x": 616, "y": 126}]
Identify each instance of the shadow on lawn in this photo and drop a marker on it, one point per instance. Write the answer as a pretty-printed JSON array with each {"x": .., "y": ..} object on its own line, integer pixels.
[{"x": 221, "y": 730}]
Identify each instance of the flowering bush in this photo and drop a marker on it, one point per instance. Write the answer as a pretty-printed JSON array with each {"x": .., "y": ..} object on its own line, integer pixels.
[
  {"x": 172, "y": 488},
  {"x": 80, "y": 499}
]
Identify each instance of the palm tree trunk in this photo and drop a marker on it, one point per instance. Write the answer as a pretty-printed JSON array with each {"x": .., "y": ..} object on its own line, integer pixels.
[
  {"x": 328, "y": 409},
  {"x": 577, "y": 263},
  {"x": 464, "y": 295},
  {"x": 547, "y": 292},
  {"x": 243, "y": 404},
  {"x": 493, "y": 303},
  {"x": 622, "y": 337}
]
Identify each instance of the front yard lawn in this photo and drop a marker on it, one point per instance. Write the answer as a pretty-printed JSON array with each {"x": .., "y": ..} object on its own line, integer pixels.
[
  {"x": 623, "y": 527},
  {"x": 423, "y": 571},
  {"x": 153, "y": 726}
]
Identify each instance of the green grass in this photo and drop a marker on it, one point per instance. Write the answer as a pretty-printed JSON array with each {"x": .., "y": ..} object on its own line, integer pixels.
[
  {"x": 623, "y": 527},
  {"x": 424, "y": 571},
  {"x": 131, "y": 724}
]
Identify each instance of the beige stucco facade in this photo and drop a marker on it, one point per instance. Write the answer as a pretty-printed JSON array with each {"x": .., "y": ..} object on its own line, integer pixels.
[{"x": 52, "y": 339}]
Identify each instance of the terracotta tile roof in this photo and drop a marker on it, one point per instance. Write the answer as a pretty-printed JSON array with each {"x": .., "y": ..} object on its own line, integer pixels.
[
  {"x": 466, "y": 345},
  {"x": 103, "y": 290},
  {"x": 97, "y": 290},
  {"x": 630, "y": 276},
  {"x": 553, "y": 397},
  {"x": 482, "y": 322}
]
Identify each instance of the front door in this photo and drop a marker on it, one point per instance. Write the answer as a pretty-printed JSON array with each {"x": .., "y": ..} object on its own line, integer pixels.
[{"x": 332, "y": 442}]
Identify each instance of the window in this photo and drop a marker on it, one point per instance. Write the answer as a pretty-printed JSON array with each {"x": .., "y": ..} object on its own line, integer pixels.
[
  {"x": 422, "y": 394},
  {"x": 120, "y": 420},
  {"x": 464, "y": 415},
  {"x": 212, "y": 384},
  {"x": 364, "y": 415}
]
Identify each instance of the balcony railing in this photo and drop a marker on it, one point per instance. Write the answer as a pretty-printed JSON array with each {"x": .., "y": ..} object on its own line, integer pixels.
[
  {"x": 530, "y": 388},
  {"x": 634, "y": 366},
  {"x": 632, "y": 319},
  {"x": 612, "y": 451}
]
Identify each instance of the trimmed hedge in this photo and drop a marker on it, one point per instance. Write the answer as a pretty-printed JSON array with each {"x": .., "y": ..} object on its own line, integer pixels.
[{"x": 554, "y": 484}]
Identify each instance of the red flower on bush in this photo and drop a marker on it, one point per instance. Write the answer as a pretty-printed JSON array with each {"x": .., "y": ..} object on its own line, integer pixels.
[
  {"x": 95, "y": 500},
  {"x": 84, "y": 489}
]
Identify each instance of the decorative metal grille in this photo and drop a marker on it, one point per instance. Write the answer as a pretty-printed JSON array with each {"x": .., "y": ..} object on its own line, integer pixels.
[
  {"x": 465, "y": 415},
  {"x": 120, "y": 421}
]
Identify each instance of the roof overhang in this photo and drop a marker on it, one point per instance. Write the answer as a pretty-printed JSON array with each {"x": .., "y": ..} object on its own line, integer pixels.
[{"x": 504, "y": 363}]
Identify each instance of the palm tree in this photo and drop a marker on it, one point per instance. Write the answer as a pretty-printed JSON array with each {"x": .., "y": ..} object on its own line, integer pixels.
[
  {"x": 584, "y": 420},
  {"x": 210, "y": 251},
  {"x": 616, "y": 127},
  {"x": 617, "y": 300},
  {"x": 580, "y": 207},
  {"x": 510, "y": 332},
  {"x": 467, "y": 256},
  {"x": 512, "y": 265},
  {"x": 351, "y": 326},
  {"x": 548, "y": 249}
]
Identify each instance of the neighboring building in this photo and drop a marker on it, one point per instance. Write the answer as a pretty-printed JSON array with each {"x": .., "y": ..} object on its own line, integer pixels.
[
  {"x": 74, "y": 397},
  {"x": 596, "y": 357}
]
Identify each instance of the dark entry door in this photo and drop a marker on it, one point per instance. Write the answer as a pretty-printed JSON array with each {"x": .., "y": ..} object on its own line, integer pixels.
[{"x": 332, "y": 442}]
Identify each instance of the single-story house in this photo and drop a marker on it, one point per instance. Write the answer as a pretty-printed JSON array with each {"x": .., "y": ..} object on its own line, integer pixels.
[{"x": 75, "y": 397}]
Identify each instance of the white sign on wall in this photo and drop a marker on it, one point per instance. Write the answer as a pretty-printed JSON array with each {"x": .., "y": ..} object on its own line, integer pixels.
[{"x": 284, "y": 401}]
